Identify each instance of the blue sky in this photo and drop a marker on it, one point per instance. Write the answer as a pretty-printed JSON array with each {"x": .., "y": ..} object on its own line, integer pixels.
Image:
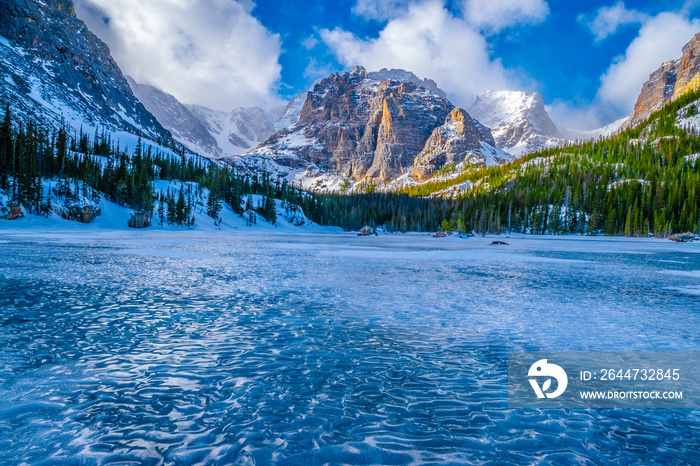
[{"x": 587, "y": 59}]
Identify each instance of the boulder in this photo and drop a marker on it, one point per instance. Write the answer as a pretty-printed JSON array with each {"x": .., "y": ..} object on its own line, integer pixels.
[
  {"x": 15, "y": 212},
  {"x": 683, "y": 238},
  {"x": 139, "y": 220},
  {"x": 367, "y": 231}
]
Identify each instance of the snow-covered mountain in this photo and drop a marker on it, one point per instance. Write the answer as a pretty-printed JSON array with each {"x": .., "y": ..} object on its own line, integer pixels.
[
  {"x": 53, "y": 70},
  {"x": 363, "y": 127},
  {"x": 236, "y": 131},
  {"x": 407, "y": 77},
  {"x": 292, "y": 112},
  {"x": 518, "y": 121},
  {"x": 211, "y": 133}
]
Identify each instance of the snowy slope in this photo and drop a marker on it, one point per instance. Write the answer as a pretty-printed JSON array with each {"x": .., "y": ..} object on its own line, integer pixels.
[
  {"x": 114, "y": 217},
  {"x": 689, "y": 118}
]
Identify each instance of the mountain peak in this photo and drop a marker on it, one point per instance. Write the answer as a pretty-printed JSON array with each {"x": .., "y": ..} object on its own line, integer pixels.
[
  {"x": 406, "y": 76},
  {"x": 374, "y": 127},
  {"x": 358, "y": 71},
  {"x": 518, "y": 120}
]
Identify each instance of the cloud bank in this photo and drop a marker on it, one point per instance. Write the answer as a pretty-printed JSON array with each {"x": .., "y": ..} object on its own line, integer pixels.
[{"x": 207, "y": 52}]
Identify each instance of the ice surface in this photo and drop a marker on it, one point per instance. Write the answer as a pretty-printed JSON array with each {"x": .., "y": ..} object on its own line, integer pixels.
[{"x": 239, "y": 347}]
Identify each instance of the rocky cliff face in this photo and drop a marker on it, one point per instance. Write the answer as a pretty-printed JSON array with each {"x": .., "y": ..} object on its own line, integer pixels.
[
  {"x": 518, "y": 121},
  {"x": 460, "y": 139},
  {"x": 208, "y": 132},
  {"x": 670, "y": 81},
  {"x": 367, "y": 128},
  {"x": 55, "y": 70}
]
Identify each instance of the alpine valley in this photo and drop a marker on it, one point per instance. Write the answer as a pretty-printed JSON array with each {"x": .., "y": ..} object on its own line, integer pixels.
[
  {"x": 380, "y": 148},
  {"x": 371, "y": 273}
]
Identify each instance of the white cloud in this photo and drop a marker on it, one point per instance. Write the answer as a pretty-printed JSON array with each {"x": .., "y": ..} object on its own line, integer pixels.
[
  {"x": 660, "y": 39},
  {"x": 609, "y": 19},
  {"x": 208, "y": 52},
  {"x": 431, "y": 42},
  {"x": 495, "y": 15},
  {"x": 380, "y": 10},
  {"x": 310, "y": 42}
]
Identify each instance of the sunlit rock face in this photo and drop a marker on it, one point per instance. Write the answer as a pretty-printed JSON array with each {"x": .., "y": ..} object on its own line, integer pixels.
[
  {"x": 371, "y": 126},
  {"x": 673, "y": 79}
]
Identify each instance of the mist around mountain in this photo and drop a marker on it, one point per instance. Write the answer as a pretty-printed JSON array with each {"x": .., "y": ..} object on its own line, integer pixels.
[{"x": 208, "y": 132}]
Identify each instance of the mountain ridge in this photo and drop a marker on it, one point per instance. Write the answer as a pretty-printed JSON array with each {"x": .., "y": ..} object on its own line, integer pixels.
[
  {"x": 58, "y": 72},
  {"x": 358, "y": 128},
  {"x": 211, "y": 133}
]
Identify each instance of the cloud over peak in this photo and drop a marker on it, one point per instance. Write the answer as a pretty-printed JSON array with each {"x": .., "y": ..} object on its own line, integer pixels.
[
  {"x": 432, "y": 42},
  {"x": 660, "y": 39}
]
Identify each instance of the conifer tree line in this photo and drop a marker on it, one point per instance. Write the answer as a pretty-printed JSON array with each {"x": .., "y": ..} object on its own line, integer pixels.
[
  {"x": 642, "y": 181},
  {"x": 86, "y": 166}
]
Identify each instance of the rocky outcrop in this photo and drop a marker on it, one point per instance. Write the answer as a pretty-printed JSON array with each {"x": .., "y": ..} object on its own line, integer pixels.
[
  {"x": 365, "y": 128},
  {"x": 13, "y": 213},
  {"x": 79, "y": 212},
  {"x": 139, "y": 220},
  {"x": 670, "y": 81},
  {"x": 518, "y": 121},
  {"x": 460, "y": 138},
  {"x": 54, "y": 69}
]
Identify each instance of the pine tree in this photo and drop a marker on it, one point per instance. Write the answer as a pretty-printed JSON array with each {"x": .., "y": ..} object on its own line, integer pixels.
[
  {"x": 180, "y": 214},
  {"x": 6, "y": 146}
]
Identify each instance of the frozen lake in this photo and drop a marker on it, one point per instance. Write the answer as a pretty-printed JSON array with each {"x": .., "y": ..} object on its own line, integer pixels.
[{"x": 186, "y": 348}]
